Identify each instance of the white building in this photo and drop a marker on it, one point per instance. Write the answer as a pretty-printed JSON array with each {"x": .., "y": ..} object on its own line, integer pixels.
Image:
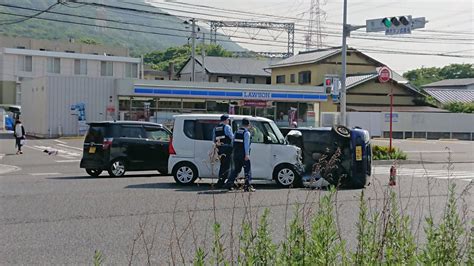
[{"x": 18, "y": 65}]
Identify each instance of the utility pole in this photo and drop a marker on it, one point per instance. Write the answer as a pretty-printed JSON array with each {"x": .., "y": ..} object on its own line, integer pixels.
[
  {"x": 345, "y": 32},
  {"x": 193, "y": 51},
  {"x": 203, "y": 55}
]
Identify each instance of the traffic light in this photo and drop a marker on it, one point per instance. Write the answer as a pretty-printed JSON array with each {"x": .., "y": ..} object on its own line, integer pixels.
[
  {"x": 328, "y": 85},
  {"x": 400, "y": 21}
]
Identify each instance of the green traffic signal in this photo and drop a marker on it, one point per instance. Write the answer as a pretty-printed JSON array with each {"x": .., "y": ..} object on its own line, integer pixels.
[{"x": 387, "y": 22}]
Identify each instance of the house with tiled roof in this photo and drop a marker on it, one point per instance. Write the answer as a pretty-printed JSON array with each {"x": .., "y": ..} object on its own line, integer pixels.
[
  {"x": 364, "y": 91},
  {"x": 227, "y": 69},
  {"x": 451, "y": 90}
]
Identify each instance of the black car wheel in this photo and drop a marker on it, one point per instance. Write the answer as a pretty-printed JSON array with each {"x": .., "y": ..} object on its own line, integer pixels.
[
  {"x": 342, "y": 131},
  {"x": 185, "y": 173},
  {"x": 94, "y": 172},
  {"x": 117, "y": 168},
  {"x": 286, "y": 176}
]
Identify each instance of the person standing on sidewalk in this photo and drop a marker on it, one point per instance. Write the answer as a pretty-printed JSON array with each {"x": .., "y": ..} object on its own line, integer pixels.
[
  {"x": 222, "y": 136},
  {"x": 19, "y": 133},
  {"x": 241, "y": 155}
]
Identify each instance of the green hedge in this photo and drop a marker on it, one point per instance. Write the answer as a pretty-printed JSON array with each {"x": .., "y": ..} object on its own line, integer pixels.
[{"x": 383, "y": 153}]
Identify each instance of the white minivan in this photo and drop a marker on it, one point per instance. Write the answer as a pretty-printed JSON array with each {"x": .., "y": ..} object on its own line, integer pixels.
[{"x": 191, "y": 150}]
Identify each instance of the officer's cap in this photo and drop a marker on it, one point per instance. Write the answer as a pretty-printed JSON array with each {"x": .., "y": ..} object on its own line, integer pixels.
[
  {"x": 245, "y": 122},
  {"x": 224, "y": 117}
]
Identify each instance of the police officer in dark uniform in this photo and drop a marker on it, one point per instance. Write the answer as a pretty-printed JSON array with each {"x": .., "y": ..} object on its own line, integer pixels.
[
  {"x": 222, "y": 136},
  {"x": 241, "y": 155}
]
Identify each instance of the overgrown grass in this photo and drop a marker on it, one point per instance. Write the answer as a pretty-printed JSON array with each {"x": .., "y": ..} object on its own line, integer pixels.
[
  {"x": 384, "y": 153},
  {"x": 383, "y": 238}
]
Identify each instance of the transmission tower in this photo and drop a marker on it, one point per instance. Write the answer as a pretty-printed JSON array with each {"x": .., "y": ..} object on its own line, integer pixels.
[
  {"x": 288, "y": 27},
  {"x": 315, "y": 28}
]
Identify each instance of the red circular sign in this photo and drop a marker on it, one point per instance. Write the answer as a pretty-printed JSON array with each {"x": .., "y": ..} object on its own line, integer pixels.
[{"x": 385, "y": 74}]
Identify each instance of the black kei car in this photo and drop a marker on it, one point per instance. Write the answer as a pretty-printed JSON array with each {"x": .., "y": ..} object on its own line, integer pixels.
[
  {"x": 351, "y": 165},
  {"x": 120, "y": 146}
]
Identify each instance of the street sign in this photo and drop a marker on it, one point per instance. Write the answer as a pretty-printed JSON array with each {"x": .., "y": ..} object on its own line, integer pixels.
[{"x": 385, "y": 74}]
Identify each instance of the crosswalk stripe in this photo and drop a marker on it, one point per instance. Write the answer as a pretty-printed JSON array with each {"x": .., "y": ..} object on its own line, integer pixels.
[{"x": 438, "y": 174}]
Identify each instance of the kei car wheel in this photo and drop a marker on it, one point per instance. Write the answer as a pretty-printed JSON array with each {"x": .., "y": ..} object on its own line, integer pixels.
[
  {"x": 185, "y": 173},
  {"x": 342, "y": 131},
  {"x": 286, "y": 176},
  {"x": 93, "y": 172},
  {"x": 117, "y": 168}
]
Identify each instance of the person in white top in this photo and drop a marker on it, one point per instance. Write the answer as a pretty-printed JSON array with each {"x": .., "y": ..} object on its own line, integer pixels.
[{"x": 19, "y": 134}]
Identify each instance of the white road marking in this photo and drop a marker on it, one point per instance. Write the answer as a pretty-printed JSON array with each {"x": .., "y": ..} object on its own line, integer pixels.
[
  {"x": 41, "y": 174},
  {"x": 4, "y": 169},
  {"x": 62, "y": 153},
  {"x": 67, "y": 161},
  {"x": 417, "y": 172},
  {"x": 71, "y": 147},
  {"x": 60, "y": 141}
]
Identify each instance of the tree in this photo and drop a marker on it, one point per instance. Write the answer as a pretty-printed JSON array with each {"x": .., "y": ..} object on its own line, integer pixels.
[
  {"x": 422, "y": 76},
  {"x": 459, "y": 107},
  {"x": 88, "y": 41},
  {"x": 160, "y": 60},
  {"x": 457, "y": 71}
]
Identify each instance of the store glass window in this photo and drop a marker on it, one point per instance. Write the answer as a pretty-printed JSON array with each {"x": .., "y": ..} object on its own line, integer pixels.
[
  {"x": 194, "y": 104},
  {"x": 217, "y": 106},
  {"x": 304, "y": 77},
  {"x": 169, "y": 104},
  {"x": 280, "y": 79}
]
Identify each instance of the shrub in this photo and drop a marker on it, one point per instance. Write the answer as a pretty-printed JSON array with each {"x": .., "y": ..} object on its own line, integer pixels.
[
  {"x": 384, "y": 237},
  {"x": 384, "y": 153}
]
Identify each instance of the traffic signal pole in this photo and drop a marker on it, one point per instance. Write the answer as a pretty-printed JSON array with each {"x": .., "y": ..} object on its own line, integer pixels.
[
  {"x": 346, "y": 32},
  {"x": 343, "y": 71}
]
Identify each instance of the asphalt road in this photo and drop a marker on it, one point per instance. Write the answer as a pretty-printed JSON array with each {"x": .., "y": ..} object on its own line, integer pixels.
[{"x": 51, "y": 212}]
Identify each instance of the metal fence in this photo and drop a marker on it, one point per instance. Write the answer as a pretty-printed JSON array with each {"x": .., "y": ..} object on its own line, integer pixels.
[{"x": 409, "y": 124}]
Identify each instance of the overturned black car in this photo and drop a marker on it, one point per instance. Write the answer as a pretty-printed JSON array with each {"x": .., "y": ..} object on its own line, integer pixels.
[{"x": 339, "y": 155}]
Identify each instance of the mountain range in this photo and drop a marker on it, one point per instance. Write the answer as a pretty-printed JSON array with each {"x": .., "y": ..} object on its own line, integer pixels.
[{"x": 140, "y": 32}]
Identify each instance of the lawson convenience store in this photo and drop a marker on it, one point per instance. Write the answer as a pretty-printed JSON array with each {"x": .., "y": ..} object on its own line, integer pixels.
[{"x": 158, "y": 101}]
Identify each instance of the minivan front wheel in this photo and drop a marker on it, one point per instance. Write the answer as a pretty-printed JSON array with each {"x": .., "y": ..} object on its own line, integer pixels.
[
  {"x": 185, "y": 173},
  {"x": 286, "y": 176},
  {"x": 93, "y": 172},
  {"x": 117, "y": 168}
]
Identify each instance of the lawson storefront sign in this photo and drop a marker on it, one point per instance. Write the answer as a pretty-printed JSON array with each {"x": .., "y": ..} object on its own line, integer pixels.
[{"x": 233, "y": 95}]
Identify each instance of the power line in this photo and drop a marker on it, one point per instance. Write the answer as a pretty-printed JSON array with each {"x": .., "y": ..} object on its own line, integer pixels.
[
  {"x": 174, "y": 35},
  {"x": 32, "y": 16},
  {"x": 142, "y": 31}
]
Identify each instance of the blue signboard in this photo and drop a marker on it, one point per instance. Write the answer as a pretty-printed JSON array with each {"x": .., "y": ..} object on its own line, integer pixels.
[
  {"x": 230, "y": 94},
  {"x": 394, "y": 117}
]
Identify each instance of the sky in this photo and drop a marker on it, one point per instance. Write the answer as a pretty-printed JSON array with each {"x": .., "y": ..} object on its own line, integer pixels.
[{"x": 450, "y": 29}]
